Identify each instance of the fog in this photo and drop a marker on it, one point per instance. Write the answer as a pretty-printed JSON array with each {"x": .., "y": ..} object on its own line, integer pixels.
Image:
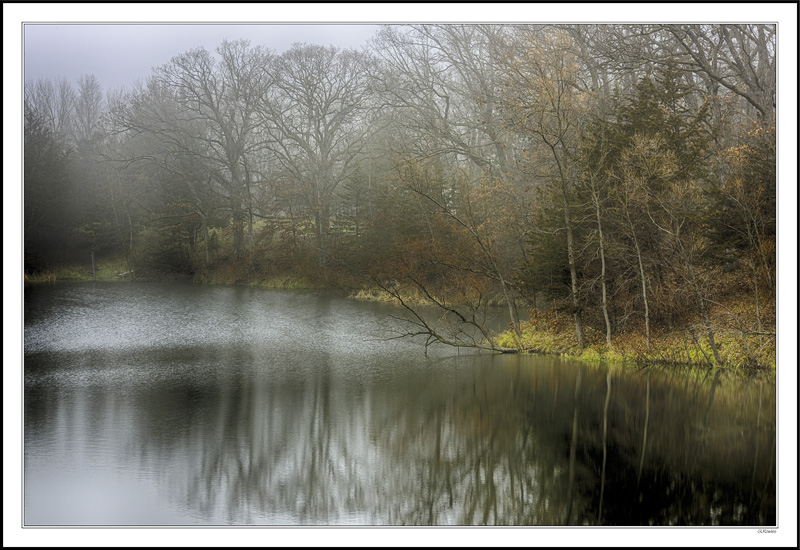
[
  {"x": 261, "y": 200},
  {"x": 120, "y": 54}
]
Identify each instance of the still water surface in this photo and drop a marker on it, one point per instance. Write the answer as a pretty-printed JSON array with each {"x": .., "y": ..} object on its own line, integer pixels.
[{"x": 167, "y": 404}]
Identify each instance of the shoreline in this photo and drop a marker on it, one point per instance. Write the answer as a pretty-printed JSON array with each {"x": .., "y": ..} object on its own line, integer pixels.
[{"x": 546, "y": 336}]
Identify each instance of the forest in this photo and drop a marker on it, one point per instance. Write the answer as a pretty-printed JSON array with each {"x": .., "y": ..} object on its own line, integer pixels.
[{"x": 611, "y": 189}]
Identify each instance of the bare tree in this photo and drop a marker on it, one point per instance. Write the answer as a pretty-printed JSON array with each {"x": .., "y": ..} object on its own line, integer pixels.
[
  {"x": 741, "y": 58},
  {"x": 441, "y": 83},
  {"x": 641, "y": 165},
  {"x": 596, "y": 185},
  {"x": 201, "y": 109},
  {"x": 474, "y": 215},
  {"x": 55, "y": 101},
  {"x": 88, "y": 109},
  {"x": 671, "y": 213},
  {"x": 544, "y": 104},
  {"x": 316, "y": 115},
  {"x": 440, "y": 87}
]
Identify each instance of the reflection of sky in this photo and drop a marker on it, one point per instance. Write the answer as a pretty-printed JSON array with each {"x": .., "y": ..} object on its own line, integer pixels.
[
  {"x": 119, "y": 55},
  {"x": 101, "y": 498},
  {"x": 473, "y": 440},
  {"x": 329, "y": 451}
]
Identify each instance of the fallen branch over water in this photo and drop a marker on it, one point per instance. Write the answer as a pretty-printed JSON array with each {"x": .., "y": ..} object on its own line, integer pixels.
[{"x": 464, "y": 326}]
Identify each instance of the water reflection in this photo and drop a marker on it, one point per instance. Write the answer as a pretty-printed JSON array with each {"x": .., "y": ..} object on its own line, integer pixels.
[{"x": 241, "y": 435}]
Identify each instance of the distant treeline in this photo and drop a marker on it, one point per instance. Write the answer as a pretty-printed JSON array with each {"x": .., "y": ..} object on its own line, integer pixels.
[{"x": 623, "y": 175}]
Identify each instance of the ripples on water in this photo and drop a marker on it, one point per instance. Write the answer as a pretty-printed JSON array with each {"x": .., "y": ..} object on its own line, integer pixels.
[{"x": 154, "y": 404}]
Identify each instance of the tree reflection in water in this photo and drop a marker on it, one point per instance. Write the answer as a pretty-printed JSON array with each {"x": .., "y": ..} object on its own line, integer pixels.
[{"x": 466, "y": 441}]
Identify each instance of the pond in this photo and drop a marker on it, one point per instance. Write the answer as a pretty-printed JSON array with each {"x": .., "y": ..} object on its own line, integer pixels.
[{"x": 170, "y": 404}]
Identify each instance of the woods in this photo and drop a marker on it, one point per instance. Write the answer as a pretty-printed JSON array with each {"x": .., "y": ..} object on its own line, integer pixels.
[{"x": 621, "y": 178}]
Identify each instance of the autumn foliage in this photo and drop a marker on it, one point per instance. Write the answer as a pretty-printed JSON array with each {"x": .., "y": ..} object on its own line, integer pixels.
[{"x": 606, "y": 190}]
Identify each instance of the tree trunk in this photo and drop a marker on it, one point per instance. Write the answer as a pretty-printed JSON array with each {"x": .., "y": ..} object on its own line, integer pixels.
[
  {"x": 644, "y": 287},
  {"x": 701, "y": 304},
  {"x": 250, "y": 232},
  {"x": 129, "y": 255},
  {"x": 238, "y": 230},
  {"x": 709, "y": 331},
  {"x": 573, "y": 272},
  {"x": 644, "y": 299},
  {"x": 322, "y": 222},
  {"x": 512, "y": 311},
  {"x": 204, "y": 228},
  {"x": 602, "y": 267},
  {"x": 249, "y": 214},
  {"x": 570, "y": 251}
]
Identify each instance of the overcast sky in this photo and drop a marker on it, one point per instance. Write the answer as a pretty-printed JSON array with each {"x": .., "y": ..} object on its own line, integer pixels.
[{"x": 120, "y": 54}]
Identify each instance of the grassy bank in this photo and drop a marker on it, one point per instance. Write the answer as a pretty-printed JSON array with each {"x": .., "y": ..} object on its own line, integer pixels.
[
  {"x": 551, "y": 333},
  {"x": 557, "y": 337},
  {"x": 108, "y": 270},
  {"x": 545, "y": 332}
]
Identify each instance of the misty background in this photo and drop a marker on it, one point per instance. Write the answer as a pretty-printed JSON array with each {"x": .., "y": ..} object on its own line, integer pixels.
[{"x": 120, "y": 54}]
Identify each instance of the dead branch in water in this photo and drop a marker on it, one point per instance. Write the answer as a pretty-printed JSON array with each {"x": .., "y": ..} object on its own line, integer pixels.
[{"x": 460, "y": 328}]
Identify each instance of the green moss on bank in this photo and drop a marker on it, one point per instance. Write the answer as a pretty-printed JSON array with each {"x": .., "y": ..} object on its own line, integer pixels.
[
  {"x": 546, "y": 332},
  {"x": 108, "y": 270},
  {"x": 736, "y": 351}
]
